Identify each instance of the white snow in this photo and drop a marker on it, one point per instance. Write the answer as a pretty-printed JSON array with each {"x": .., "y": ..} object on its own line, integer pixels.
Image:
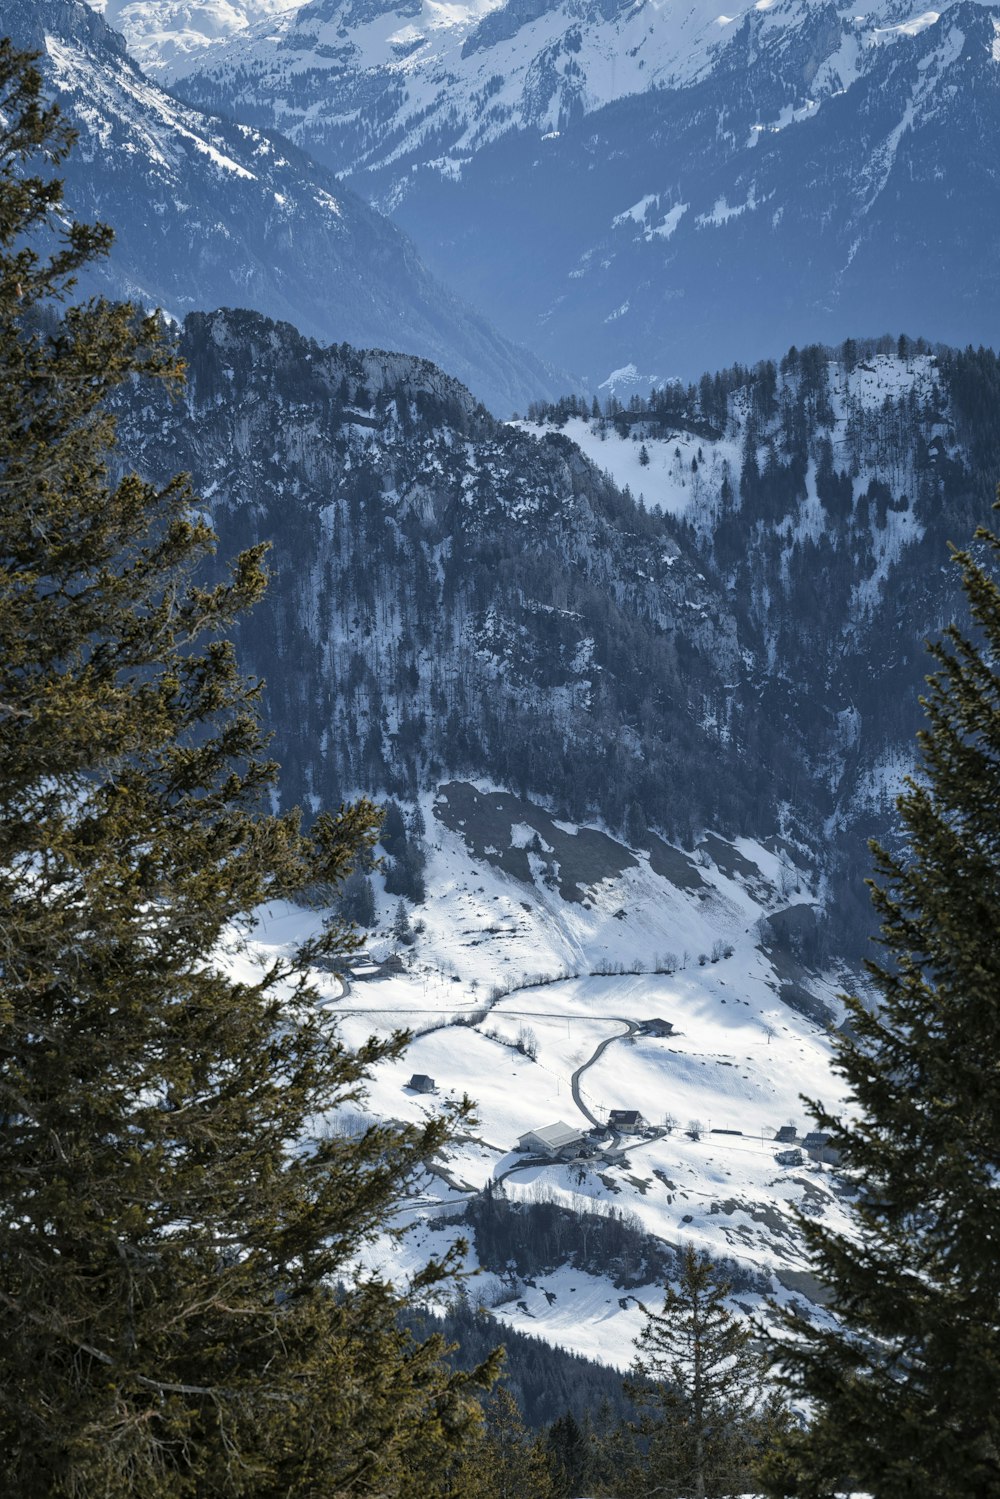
[
  {"x": 627, "y": 377},
  {"x": 737, "y": 1059},
  {"x": 913, "y": 27},
  {"x": 722, "y": 211},
  {"x": 668, "y": 479},
  {"x": 162, "y": 33},
  {"x": 638, "y": 214}
]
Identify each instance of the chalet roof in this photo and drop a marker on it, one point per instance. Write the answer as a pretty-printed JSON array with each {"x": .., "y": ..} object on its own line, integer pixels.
[
  {"x": 556, "y": 1134},
  {"x": 420, "y": 1077},
  {"x": 625, "y": 1116}
]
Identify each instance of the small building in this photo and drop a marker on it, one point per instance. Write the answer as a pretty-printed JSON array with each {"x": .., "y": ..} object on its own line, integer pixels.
[
  {"x": 362, "y": 971},
  {"x": 788, "y": 1157},
  {"x": 818, "y": 1148},
  {"x": 786, "y": 1134},
  {"x": 421, "y": 1083},
  {"x": 627, "y": 1121},
  {"x": 364, "y": 966},
  {"x": 655, "y": 1027},
  {"x": 557, "y": 1139}
]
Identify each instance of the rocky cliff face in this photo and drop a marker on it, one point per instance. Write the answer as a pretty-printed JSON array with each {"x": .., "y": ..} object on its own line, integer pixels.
[
  {"x": 454, "y": 597},
  {"x": 451, "y": 595}
]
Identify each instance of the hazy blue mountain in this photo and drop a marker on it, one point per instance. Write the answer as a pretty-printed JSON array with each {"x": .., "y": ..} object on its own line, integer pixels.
[
  {"x": 618, "y": 185},
  {"x": 209, "y": 213}
]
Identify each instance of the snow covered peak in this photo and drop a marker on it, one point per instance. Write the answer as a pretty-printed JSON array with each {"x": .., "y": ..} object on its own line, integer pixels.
[
  {"x": 209, "y": 213},
  {"x": 162, "y": 33},
  {"x": 616, "y": 47}
]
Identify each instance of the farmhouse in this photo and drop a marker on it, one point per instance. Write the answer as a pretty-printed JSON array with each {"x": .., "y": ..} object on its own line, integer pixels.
[
  {"x": 363, "y": 966},
  {"x": 557, "y": 1139},
  {"x": 627, "y": 1121},
  {"x": 818, "y": 1148}
]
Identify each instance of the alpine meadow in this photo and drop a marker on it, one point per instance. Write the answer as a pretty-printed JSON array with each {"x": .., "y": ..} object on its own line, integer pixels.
[{"x": 499, "y": 750}]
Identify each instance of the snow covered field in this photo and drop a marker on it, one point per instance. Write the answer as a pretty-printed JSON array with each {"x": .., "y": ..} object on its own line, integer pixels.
[{"x": 710, "y": 1044}]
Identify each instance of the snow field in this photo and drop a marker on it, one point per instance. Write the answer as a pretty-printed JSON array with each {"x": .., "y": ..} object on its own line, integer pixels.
[
  {"x": 667, "y": 480},
  {"x": 736, "y": 1059}
]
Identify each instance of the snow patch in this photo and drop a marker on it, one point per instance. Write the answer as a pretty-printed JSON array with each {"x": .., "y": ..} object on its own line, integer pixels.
[
  {"x": 639, "y": 214},
  {"x": 723, "y": 212},
  {"x": 913, "y": 27}
]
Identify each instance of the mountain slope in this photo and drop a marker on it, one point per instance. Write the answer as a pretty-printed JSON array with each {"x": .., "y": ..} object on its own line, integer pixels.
[
  {"x": 524, "y": 619},
  {"x": 466, "y": 599},
  {"x": 209, "y": 213},
  {"x": 636, "y": 756},
  {"x": 653, "y": 994},
  {"x": 463, "y": 76},
  {"x": 824, "y": 492},
  {"x": 796, "y": 172}
]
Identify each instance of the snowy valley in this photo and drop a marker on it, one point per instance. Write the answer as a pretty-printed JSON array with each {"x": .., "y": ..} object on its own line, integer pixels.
[
  {"x": 472, "y": 525},
  {"x": 647, "y": 733},
  {"x": 601, "y": 980}
]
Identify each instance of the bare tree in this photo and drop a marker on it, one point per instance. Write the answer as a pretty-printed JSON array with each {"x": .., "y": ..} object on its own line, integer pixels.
[{"x": 527, "y": 1042}]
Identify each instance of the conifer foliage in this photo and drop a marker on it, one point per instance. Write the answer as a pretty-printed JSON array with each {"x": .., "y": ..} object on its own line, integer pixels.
[
  {"x": 174, "y": 1212},
  {"x": 507, "y": 1462},
  {"x": 701, "y": 1389},
  {"x": 906, "y": 1387}
]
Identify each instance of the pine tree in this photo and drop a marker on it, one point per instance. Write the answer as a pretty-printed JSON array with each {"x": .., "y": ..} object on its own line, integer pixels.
[
  {"x": 402, "y": 930},
  {"x": 175, "y": 1212},
  {"x": 906, "y": 1385},
  {"x": 357, "y": 900},
  {"x": 699, "y": 1381},
  {"x": 570, "y": 1457},
  {"x": 507, "y": 1463}
]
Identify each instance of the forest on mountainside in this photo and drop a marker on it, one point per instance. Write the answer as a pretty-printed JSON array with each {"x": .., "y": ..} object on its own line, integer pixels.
[
  {"x": 186, "y": 1310},
  {"x": 462, "y": 599}
]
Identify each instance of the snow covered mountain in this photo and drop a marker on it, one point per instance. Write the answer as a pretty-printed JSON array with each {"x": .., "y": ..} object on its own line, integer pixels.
[
  {"x": 164, "y": 32},
  {"x": 741, "y": 650},
  {"x": 208, "y": 213},
  {"x": 657, "y": 184},
  {"x": 476, "y": 70},
  {"x": 636, "y": 743},
  {"x": 641, "y": 682}
]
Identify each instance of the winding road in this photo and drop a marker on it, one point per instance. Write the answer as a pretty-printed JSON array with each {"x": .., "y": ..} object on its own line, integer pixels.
[{"x": 631, "y": 1029}]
